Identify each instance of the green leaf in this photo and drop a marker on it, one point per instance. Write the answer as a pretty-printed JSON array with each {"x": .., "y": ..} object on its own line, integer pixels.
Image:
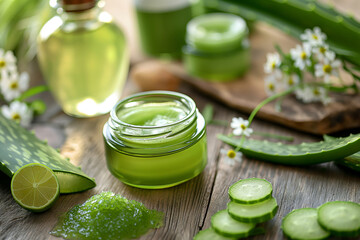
[
  {"x": 208, "y": 113},
  {"x": 32, "y": 91},
  {"x": 352, "y": 161},
  {"x": 219, "y": 122},
  {"x": 300, "y": 154},
  {"x": 38, "y": 106}
]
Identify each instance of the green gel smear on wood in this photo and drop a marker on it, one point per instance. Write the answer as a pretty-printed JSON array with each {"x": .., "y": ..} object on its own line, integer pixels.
[{"x": 107, "y": 216}]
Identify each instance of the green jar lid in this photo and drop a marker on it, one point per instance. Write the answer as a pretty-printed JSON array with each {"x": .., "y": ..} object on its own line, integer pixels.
[{"x": 216, "y": 32}]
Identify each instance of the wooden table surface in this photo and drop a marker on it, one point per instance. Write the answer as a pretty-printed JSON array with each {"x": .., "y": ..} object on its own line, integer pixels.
[{"x": 189, "y": 206}]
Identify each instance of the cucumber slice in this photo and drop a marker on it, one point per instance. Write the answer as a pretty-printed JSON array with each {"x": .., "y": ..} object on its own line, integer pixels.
[
  {"x": 210, "y": 234},
  {"x": 250, "y": 190},
  {"x": 253, "y": 213},
  {"x": 226, "y": 226},
  {"x": 340, "y": 218},
  {"x": 302, "y": 224}
]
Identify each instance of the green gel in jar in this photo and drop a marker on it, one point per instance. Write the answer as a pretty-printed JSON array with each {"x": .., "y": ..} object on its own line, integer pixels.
[
  {"x": 155, "y": 140},
  {"x": 217, "y": 47},
  {"x": 162, "y": 26}
]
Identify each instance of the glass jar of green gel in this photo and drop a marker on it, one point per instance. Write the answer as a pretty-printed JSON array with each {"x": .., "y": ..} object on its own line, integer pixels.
[
  {"x": 217, "y": 47},
  {"x": 155, "y": 140},
  {"x": 162, "y": 26}
]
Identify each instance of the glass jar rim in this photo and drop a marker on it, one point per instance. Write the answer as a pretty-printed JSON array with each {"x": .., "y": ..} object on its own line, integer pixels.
[{"x": 114, "y": 117}]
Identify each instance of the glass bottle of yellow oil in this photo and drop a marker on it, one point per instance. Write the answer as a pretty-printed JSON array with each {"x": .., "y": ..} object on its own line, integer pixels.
[{"x": 84, "y": 58}]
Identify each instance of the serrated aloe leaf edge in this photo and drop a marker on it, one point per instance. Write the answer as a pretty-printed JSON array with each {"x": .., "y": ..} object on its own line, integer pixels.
[{"x": 301, "y": 154}]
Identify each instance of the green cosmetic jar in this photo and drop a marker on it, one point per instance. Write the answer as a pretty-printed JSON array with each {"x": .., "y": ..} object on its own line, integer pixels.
[
  {"x": 162, "y": 26},
  {"x": 155, "y": 140},
  {"x": 217, "y": 47}
]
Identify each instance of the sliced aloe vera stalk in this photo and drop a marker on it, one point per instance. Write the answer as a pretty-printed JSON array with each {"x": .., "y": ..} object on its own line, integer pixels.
[
  {"x": 340, "y": 218},
  {"x": 301, "y": 154},
  {"x": 226, "y": 226},
  {"x": 250, "y": 190},
  {"x": 253, "y": 213},
  {"x": 19, "y": 147},
  {"x": 209, "y": 233},
  {"x": 302, "y": 224}
]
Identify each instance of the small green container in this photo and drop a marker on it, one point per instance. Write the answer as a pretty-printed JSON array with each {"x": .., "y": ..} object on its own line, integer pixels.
[
  {"x": 155, "y": 140},
  {"x": 162, "y": 26},
  {"x": 217, "y": 47}
]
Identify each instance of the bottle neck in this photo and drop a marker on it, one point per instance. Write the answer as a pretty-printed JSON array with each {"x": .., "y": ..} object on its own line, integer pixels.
[
  {"x": 84, "y": 15},
  {"x": 78, "y": 10},
  {"x": 77, "y": 5}
]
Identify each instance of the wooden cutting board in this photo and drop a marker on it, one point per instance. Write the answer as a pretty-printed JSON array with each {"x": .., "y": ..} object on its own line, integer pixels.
[{"x": 247, "y": 92}]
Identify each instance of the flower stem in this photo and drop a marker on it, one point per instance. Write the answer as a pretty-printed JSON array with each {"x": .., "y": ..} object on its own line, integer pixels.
[
  {"x": 270, "y": 99},
  {"x": 33, "y": 91},
  {"x": 219, "y": 122},
  {"x": 260, "y": 105}
]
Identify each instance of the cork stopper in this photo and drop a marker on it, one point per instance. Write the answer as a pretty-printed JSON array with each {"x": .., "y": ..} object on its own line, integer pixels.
[{"x": 77, "y": 5}]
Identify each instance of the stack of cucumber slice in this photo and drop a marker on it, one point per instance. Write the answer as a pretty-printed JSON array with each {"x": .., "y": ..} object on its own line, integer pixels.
[
  {"x": 251, "y": 203},
  {"x": 338, "y": 218}
]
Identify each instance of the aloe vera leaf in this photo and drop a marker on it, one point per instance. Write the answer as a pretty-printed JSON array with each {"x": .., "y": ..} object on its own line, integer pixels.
[
  {"x": 352, "y": 161},
  {"x": 20, "y": 22},
  {"x": 301, "y": 154},
  {"x": 294, "y": 16},
  {"x": 19, "y": 147}
]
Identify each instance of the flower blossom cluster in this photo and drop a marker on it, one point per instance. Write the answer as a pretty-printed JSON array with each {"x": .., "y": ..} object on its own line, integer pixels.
[
  {"x": 12, "y": 85},
  {"x": 312, "y": 56},
  {"x": 240, "y": 127}
]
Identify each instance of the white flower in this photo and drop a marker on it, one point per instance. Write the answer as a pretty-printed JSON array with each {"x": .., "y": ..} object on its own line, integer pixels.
[
  {"x": 231, "y": 156},
  {"x": 271, "y": 85},
  {"x": 327, "y": 69},
  {"x": 313, "y": 37},
  {"x": 7, "y": 63},
  {"x": 272, "y": 62},
  {"x": 291, "y": 80},
  {"x": 18, "y": 112},
  {"x": 310, "y": 94},
  {"x": 301, "y": 56},
  {"x": 13, "y": 85},
  {"x": 322, "y": 52},
  {"x": 241, "y": 127}
]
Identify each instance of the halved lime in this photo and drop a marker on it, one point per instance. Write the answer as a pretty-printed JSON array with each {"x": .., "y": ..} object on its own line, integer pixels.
[{"x": 35, "y": 187}]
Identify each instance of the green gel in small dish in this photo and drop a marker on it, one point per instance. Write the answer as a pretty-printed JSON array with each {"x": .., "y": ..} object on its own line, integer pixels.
[
  {"x": 217, "y": 47},
  {"x": 107, "y": 216}
]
